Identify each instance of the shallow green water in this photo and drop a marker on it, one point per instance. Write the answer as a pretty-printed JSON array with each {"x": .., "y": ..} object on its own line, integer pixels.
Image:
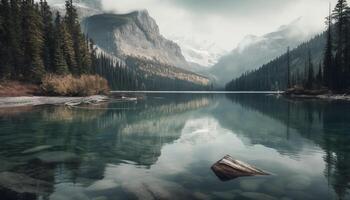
[{"x": 163, "y": 148}]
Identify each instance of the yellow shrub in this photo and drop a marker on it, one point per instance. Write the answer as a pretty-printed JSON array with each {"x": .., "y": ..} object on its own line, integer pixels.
[{"x": 69, "y": 85}]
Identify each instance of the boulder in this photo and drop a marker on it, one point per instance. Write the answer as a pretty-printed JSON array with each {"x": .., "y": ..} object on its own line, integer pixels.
[
  {"x": 21, "y": 183},
  {"x": 58, "y": 157},
  {"x": 227, "y": 169},
  {"x": 256, "y": 195}
]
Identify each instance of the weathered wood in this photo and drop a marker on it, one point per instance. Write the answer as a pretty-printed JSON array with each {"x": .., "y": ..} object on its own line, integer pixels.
[
  {"x": 227, "y": 169},
  {"x": 6, "y": 102},
  {"x": 87, "y": 100}
]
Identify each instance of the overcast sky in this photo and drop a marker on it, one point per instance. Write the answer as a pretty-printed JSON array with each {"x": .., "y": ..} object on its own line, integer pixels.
[{"x": 226, "y": 22}]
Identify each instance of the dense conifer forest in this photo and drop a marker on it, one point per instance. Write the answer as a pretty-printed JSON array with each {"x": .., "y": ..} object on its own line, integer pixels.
[
  {"x": 35, "y": 41},
  {"x": 142, "y": 74},
  {"x": 303, "y": 66}
]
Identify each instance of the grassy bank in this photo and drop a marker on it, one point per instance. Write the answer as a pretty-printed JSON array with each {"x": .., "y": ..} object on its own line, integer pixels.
[
  {"x": 54, "y": 85},
  {"x": 16, "y": 88}
]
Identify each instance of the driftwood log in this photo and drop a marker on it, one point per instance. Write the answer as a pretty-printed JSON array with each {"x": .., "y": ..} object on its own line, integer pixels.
[{"x": 227, "y": 169}]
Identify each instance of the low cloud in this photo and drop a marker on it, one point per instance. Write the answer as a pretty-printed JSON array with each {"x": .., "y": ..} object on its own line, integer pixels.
[{"x": 225, "y": 22}]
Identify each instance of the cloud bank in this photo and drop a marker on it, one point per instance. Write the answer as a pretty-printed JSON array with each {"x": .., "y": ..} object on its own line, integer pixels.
[{"x": 225, "y": 22}]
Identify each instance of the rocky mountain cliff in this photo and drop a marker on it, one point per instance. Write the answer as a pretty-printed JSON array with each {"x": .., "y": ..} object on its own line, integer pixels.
[
  {"x": 85, "y": 8},
  {"x": 135, "y": 34},
  {"x": 254, "y": 51}
]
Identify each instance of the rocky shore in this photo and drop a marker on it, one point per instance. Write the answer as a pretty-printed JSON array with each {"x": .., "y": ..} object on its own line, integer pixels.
[
  {"x": 6, "y": 102},
  {"x": 323, "y": 94}
]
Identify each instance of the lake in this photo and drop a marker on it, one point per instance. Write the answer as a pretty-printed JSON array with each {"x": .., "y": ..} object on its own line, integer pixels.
[{"x": 163, "y": 147}]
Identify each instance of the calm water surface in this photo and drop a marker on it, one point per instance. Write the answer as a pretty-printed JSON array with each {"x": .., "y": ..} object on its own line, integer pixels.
[{"x": 163, "y": 147}]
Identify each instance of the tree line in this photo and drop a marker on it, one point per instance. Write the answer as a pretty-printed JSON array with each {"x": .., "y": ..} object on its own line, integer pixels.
[
  {"x": 329, "y": 70},
  {"x": 130, "y": 76},
  {"x": 35, "y": 41}
]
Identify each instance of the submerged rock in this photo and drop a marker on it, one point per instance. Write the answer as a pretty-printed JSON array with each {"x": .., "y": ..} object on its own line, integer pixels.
[
  {"x": 227, "y": 169},
  {"x": 298, "y": 182},
  {"x": 37, "y": 149},
  {"x": 21, "y": 183},
  {"x": 58, "y": 157},
  {"x": 103, "y": 185},
  {"x": 202, "y": 196},
  {"x": 100, "y": 198},
  {"x": 250, "y": 185},
  {"x": 6, "y": 165},
  {"x": 224, "y": 195},
  {"x": 275, "y": 188},
  {"x": 256, "y": 195}
]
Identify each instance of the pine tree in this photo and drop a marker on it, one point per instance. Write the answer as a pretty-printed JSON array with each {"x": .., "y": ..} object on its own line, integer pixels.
[
  {"x": 59, "y": 60},
  {"x": 319, "y": 77},
  {"x": 328, "y": 71},
  {"x": 68, "y": 48},
  {"x": 339, "y": 15},
  {"x": 310, "y": 74},
  {"x": 48, "y": 35},
  {"x": 2, "y": 31},
  {"x": 16, "y": 39},
  {"x": 86, "y": 59},
  {"x": 33, "y": 41},
  {"x": 73, "y": 29},
  {"x": 288, "y": 68},
  {"x": 80, "y": 45},
  {"x": 6, "y": 56},
  {"x": 347, "y": 49}
]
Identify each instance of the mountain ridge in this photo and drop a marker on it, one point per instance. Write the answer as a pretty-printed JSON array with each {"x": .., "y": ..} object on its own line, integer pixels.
[
  {"x": 133, "y": 34},
  {"x": 254, "y": 51}
]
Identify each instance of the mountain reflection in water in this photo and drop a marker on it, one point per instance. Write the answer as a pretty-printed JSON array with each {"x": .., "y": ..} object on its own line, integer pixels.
[{"x": 163, "y": 147}]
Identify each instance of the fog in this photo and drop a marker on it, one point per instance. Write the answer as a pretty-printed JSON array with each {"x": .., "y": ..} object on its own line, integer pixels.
[{"x": 225, "y": 22}]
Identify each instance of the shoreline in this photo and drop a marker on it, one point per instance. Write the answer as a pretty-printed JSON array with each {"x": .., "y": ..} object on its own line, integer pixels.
[
  {"x": 330, "y": 97},
  {"x": 321, "y": 94},
  {"x": 8, "y": 102}
]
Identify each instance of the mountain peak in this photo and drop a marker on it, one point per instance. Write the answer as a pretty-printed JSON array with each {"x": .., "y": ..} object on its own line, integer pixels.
[
  {"x": 133, "y": 34},
  {"x": 264, "y": 48},
  {"x": 295, "y": 23}
]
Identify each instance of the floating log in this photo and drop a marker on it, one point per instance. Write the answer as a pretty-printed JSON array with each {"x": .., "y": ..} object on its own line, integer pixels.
[
  {"x": 227, "y": 169},
  {"x": 87, "y": 100}
]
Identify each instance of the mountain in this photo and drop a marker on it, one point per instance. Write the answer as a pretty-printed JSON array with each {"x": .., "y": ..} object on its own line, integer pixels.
[
  {"x": 253, "y": 51},
  {"x": 134, "y": 34},
  {"x": 202, "y": 53},
  {"x": 134, "y": 40},
  {"x": 272, "y": 76}
]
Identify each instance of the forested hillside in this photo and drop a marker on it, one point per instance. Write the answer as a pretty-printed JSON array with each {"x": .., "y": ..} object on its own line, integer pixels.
[
  {"x": 273, "y": 75},
  {"x": 141, "y": 74},
  {"x": 34, "y": 41},
  {"x": 323, "y": 62}
]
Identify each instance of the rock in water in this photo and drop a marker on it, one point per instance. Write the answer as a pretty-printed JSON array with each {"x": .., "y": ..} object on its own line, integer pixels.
[
  {"x": 37, "y": 149},
  {"x": 58, "y": 157},
  {"x": 227, "y": 169},
  {"x": 256, "y": 195},
  {"x": 21, "y": 183}
]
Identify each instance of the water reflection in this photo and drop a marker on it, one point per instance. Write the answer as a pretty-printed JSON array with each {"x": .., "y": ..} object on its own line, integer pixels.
[
  {"x": 163, "y": 147},
  {"x": 324, "y": 123}
]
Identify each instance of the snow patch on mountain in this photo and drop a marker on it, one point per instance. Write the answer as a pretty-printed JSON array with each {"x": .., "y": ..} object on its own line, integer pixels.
[
  {"x": 254, "y": 51},
  {"x": 202, "y": 52}
]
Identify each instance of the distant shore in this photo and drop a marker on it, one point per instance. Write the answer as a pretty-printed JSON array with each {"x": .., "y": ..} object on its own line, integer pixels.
[{"x": 322, "y": 94}]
